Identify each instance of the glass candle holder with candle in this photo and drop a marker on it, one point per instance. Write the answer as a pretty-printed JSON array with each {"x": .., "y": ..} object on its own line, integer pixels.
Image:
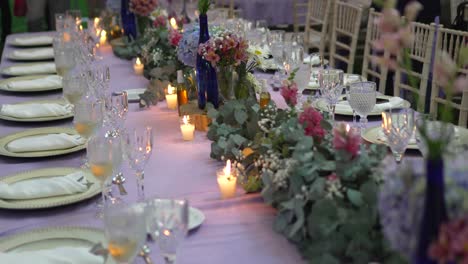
[
  {"x": 187, "y": 128},
  {"x": 227, "y": 181},
  {"x": 171, "y": 97},
  {"x": 138, "y": 67}
]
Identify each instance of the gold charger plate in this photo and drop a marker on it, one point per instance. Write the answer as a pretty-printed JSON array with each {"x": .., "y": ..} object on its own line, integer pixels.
[
  {"x": 48, "y": 42},
  {"x": 53, "y": 237},
  {"x": 38, "y": 131},
  {"x": 5, "y": 71},
  {"x": 38, "y": 119},
  {"x": 12, "y": 56},
  {"x": 4, "y": 82},
  {"x": 48, "y": 202},
  {"x": 322, "y": 105}
]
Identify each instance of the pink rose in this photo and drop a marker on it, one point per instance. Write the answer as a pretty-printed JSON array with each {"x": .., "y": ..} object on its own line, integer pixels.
[
  {"x": 174, "y": 37},
  {"x": 289, "y": 93},
  {"x": 346, "y": 139},
  {"x": 310, "y": 119}
]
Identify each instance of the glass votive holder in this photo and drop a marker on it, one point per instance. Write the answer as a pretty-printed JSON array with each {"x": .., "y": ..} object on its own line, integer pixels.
[
  {"x": 187, "y": 128},
  {"x": 227, "y": 181},
  {"x": 171, "y": 97}
]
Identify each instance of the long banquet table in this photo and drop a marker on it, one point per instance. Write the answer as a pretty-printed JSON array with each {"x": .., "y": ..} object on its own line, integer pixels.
[{"x": 238, "y": 230}]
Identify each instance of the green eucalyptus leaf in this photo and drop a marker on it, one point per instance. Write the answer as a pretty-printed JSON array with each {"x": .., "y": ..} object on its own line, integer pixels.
[
  {"x": 354, "y": 197},
  {"x": 241, "y": 116}
]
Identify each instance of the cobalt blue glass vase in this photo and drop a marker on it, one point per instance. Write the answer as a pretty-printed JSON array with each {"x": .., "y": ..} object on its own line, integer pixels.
[
  {"x": 128, "y": 20},
  {"x": 206, "y": 73},
  {"x": 435, "y": 212}
]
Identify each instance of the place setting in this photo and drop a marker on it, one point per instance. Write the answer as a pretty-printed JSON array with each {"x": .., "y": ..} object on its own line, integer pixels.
[{"x": 31, "y": 54}]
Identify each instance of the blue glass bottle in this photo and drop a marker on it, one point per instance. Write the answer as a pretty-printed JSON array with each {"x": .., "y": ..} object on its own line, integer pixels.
[
  {"x": 206, "y": 74},
  {"x": 128, "y": 20},
  {"x": 435, "y": 211}
]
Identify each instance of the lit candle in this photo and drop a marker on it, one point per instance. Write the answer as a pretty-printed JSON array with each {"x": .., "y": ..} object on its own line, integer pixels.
[
  {"x": 188, "y": 129},
  {"x": 103, "y": 38},
  {"x": 96, "y": 22},
  {"x": 171, "y": 98},
  {"x": 173, "y": 23},
  {"x": 81, "y": 28},
  {"x": 138, "y": 67},
  {"x": 347, "y": 128},
  {"x": 227, "y": 182},
  {"x": 66, "y": 37}
]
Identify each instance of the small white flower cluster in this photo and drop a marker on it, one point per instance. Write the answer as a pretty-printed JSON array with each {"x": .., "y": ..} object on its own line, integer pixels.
[
  {"x": 267, "y": 119},
  {"x": 279, "y": 169},
  {"x": 254, "y": 82},
  {"x": 334, "y": 189},
  {"x": 157, "y": 55}
]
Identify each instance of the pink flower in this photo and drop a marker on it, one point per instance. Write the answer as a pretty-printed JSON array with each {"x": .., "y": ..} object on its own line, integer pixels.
[
  {"x": 332, "y": 177},
  {"x": 452, "y": 243},
  {"x": 174, "y": 37},
  {"x": 310, "y": 120},
  {"x": 289, "y": 93},
  {"x": 143, "y": 7},
  {"x": 412, "y": 10},
  {"x": 212, "y": 57},
  {"x": 390, "y": 20},
  {"x": 160, "y": 21},
  {"x": 461, "y": 84},
  {"x": 387, "y": 62},
  {"x": 346, "y": 139},
  {"x": 445, "y": 70}
]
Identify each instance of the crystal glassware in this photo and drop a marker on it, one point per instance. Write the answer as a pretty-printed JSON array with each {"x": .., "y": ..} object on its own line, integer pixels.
[
  {"x": 59, "y": 22},
  {"x": 64, "y": 56},
  {"x": 168, "y": 225},
  {"x": 88, "y": 117},
  {"x": 125, "y": 231},
  {"x": 74, "y": 88},
  {"x": 331, "y": 88},
  {"x": 104, "y": 156},
  {"x": 294, "y": 56},
  {"x": 362, "y": 97},
  {"x": 398, "y": 126},
  {"x": 275, "y": 36},
  {"x": 117, "y": 108},
  {"x": 138, "y": 149}
]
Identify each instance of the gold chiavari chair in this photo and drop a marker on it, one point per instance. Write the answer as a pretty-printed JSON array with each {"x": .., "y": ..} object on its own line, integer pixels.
[
  {"x": 299, "y": 14},
  {"x": 316, "y": 28}
]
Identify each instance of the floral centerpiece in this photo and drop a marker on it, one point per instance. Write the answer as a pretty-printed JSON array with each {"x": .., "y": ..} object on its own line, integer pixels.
[{"x": 142, "y": 9}]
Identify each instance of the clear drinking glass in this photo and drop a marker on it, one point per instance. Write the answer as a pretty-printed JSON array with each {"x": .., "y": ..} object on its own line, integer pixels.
[
  {"x": 294, "y": 56},
  {"x": 88, "y": 117},
  {"x": 331, "y": 88},
  {"x": 275, "y": 36},
  {"x": 398, "y": 126},
  {"x": 168, "y": 225},
  {"x": 362, "y": 97},
  {"x": 74, "y": 88},
  {"x": 75, "y": 15},
  {"x": 104, "y": 155},
  {"x": 64, "y": 56},
  {"x": 125, "y": 231},
  {"x": 117, "y": 108},
  {"x": 138, "y": 149},
  {"x": 59, "y": 22}
]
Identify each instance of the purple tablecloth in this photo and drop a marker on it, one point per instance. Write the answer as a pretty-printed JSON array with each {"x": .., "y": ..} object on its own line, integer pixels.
[{"x": 235, "y": 231}]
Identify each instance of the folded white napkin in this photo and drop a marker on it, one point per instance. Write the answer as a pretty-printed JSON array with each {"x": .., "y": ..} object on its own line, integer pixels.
[
  {"x": 33, "y": 53},
  {"x": 45, "y": 142},
  {"x": 43, "y": 82},
  {"x": 37, "y": 40},
  {"x": 382, "y": 137},
  {"x": 60, "y": 255},
  {"x": 47, "y": 67},
  {"x": 394, "y": 102},
  {"x": 312, "y": 60},
  {"x": 35, "y": 110},
  {"x": 44, "y": 187}
]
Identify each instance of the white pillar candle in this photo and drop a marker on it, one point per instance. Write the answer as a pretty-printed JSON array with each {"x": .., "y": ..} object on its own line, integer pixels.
[
  {"x": 171, "y": 98},
  {"x": 138, "y": 67},
  {"x": 227, "y": 182},
  {"x": 187, "y": 129},
  {"x": 103, "y": 38}
]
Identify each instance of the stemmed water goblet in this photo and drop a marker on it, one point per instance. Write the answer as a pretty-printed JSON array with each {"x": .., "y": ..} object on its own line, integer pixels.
[
  {"x": 117, "y": 108},
  {"x": 398, "y": 126},
  {"x": 125, "y": 231},
  {"x": 331, "y": 88},
  {"x": 362, "y": 97},
  {"x": 168, "y": 225},
  {"x": 138, "y": 149},
  {"x": 279, "y": 57},
  {"x": 104, "y": 156}
]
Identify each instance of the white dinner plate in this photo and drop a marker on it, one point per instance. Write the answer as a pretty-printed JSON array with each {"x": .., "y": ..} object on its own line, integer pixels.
[
  {"x": 38, "y": 119},
  {"x": 321, "y": 104},
  {"x": 49, "y": 202},
  {"x": 54, "y": 237},
  {"x": 38, "y": 131},
  {"x": 37, "y": 71},
  {"x": 4, "y": 82}
]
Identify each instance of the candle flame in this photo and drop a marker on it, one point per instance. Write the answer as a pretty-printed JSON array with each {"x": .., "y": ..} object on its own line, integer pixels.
[
  {"x": 96, "y": 21},
  {"x": 138, "y": 61},
  {"x": 81, "y": 28},
  {"x": 186, "y": 119},
  {"x": 170, "y": 89},
  {"x": 227, "y": 169},
  {"x": 173, "y": 23},
  {"x": 103, "y": 34},
  {"x": 347, "y": 128}
]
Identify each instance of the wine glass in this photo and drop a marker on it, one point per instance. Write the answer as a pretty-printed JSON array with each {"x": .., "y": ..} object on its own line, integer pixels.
[
  {"x": 138, "y": 149},
  {"x": 64, "y": 56},
  {"x": 331, "y": 88},
  {"x": 362, "y": 97},
  {"x": 275, "y": 36},
  {"x": 125, "y": 231},
  {"x": 117, "y": 108},
  {"x": 398, "y": 127},
  {"x": 104, "y": 155},
  {"x": 59, "y": 22},
  {"x": 168, "y": 225},
  {"x": 294, "y": 56}
]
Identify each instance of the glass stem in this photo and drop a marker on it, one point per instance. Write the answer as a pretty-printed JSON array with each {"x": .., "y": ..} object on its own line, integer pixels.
[
  {"x": 363, "y": 123},
  {"x": 354, "y": 118},
  {"x": 169, "y": 259},
  {"x": 332, "y": 113},
  {"x": 140, "y": 175}
]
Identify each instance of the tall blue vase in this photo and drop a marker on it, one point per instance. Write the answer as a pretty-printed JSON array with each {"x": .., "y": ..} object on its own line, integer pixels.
[
  {"x": 128, "y": 20},
  {"x": 435, "y": 212},
  {"x": 206, "y": 74}
]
